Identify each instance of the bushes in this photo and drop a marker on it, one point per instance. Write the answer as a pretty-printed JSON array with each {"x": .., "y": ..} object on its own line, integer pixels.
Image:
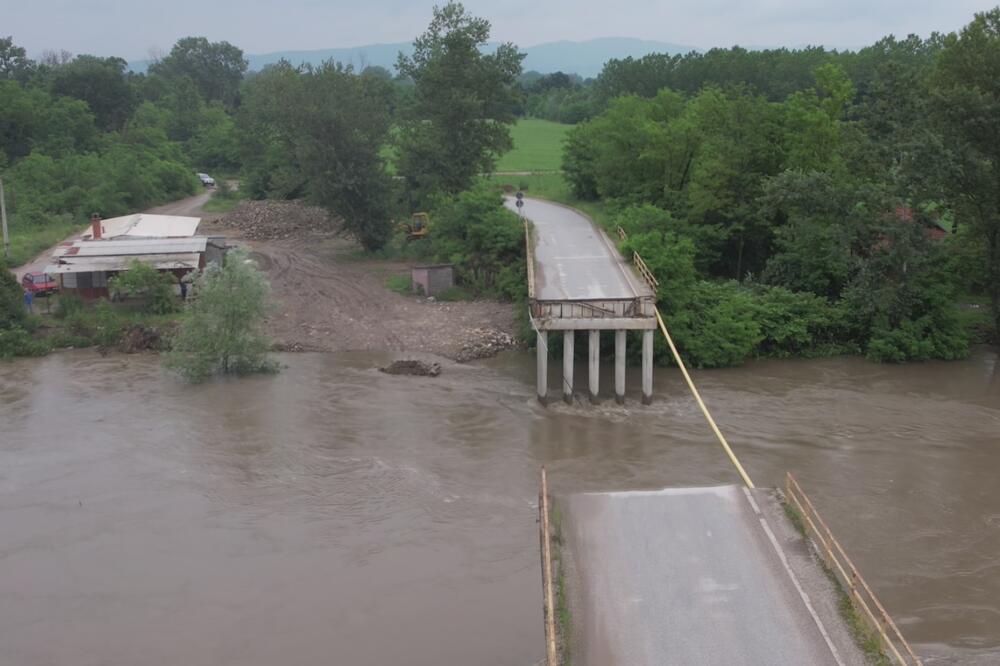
[
  {"x": 484, "y": 240},
  {"x": 223, "y": 330},
  {"x": 144, "y": 281}
]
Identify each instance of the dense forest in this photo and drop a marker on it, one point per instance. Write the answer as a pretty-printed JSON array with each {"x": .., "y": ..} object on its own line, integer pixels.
[{"x": 799, "y": 201}]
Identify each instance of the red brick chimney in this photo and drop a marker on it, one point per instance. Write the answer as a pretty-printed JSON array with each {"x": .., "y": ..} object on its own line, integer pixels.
[{"x": 95, "y": 226}]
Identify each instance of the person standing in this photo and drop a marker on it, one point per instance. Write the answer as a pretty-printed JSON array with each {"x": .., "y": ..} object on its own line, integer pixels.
[{"x": 29, "y": 300}]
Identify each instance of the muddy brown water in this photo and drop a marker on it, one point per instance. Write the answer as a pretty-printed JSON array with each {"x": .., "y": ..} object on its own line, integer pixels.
[{"x": 335, "y": 514}]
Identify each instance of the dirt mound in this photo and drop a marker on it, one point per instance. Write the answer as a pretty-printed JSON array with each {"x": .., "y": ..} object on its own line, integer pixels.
[
  {"x": 485, "y": 343},
  {"x": 274, "y": 220},
  {"x": 411, "y": 367}
]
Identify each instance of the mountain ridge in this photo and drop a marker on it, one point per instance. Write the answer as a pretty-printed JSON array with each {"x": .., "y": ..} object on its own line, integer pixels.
[{"x": 585, "y": 58}]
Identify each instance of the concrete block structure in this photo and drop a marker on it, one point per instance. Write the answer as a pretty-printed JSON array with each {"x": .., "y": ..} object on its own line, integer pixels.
[{"x": 434, "y": 279}]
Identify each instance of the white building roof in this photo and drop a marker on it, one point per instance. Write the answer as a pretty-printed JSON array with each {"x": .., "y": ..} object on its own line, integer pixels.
[
  {"x": 133, "y": 248},
  {"x": 144, "y": 225}
]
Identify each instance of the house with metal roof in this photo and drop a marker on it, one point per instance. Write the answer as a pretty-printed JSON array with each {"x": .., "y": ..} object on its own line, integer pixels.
[{"x": 84, "y": 266}]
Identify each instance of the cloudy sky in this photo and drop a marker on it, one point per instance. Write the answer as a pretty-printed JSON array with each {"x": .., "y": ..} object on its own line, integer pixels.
[{"x": 135, "y": 28}]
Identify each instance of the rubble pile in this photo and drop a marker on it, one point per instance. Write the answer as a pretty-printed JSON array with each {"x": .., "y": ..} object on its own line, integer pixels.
[
  {"x": 413, "y": 367},
  {"x": 275, "y": 220},
  {"x": 486, "y": 342}
]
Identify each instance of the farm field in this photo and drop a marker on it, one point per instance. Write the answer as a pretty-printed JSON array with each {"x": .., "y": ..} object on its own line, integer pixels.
[{"x": 537, "y": 146}]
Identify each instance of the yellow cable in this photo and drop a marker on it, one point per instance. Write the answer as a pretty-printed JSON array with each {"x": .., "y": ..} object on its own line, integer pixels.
[{"x": 701, "y": 403}]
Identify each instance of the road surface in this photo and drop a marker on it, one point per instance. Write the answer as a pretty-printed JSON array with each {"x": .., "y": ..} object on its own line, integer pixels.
[
  {"x": 573, "y": 258},
  {"x": 191, "y": 206},
  {"x": 690, "y": 576}
]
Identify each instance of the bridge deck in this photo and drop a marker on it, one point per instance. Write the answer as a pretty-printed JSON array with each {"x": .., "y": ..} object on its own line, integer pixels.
[
  {"x": 691, "y": 576},
  {"x": 574, "y": 260}
]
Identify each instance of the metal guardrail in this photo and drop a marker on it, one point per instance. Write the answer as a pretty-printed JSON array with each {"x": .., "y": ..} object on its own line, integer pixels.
[
  {"x": 550, "y": 606},
  {"x": 862, "y": 598},
  {"x": 529, "y": 258},
  {"x": 644, "y": 271}
]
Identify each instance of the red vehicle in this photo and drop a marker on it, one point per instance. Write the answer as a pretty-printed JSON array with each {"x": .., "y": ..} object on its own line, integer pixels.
[{"x": 39, "y": 284}]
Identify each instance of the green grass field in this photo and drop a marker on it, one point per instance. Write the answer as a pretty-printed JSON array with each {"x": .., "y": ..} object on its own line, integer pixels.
[{"x": 537, "y": 146}]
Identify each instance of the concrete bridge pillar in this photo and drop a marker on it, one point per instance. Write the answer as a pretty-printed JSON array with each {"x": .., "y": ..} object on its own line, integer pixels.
[
  {"x": 647, "y": 367},
  {"x": 542, "y": 359},
  {"x": 620, "y": 366},
  {"x": 595, "y": 364},
  {"x": 568, "y": 339}
]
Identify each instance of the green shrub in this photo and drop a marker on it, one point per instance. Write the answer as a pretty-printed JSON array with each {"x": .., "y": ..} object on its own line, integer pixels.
[
  {"x": 223, "y": 332},
  {"x": 69, "y": 304},
  {"x": 717, "y": 326},
  {"x": 16, "y": 341},
  {"x": 144, "y": 281},
  {"x": 795, "y": 323},
  {"x": 484, "y": 241},
  {"x": 12, "y": 312}
]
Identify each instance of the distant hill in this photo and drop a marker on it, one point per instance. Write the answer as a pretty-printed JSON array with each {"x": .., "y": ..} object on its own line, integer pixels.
[{"x": 583, "y": 58}]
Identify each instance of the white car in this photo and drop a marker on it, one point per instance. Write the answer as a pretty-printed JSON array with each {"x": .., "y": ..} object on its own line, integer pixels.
[{"x": 206, "y": 180}]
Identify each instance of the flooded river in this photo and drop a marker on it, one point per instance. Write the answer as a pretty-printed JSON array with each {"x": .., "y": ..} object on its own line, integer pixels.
[{"x": 332, "y": 514}]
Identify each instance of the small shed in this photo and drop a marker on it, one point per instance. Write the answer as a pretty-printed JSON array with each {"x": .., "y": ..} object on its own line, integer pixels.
[{"x": 432, "y": 280}]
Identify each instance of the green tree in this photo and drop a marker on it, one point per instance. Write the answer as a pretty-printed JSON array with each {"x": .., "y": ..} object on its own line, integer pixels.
[
  {"x": 216, "y": 68},
  {"x": 461, "y": 113},
  {"x": 100, "y": 82},
  {"x": 223, "y": 330},
  {"x": 344, "y": 121},
  {"x": 966, "y": 87},
  {"x": 14, "y": 62}
]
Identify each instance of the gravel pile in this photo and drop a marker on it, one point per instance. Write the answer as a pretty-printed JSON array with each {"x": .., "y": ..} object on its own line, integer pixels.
[
  {"x": 486, "y": 342},
  {"x": 275, "y": 220}
]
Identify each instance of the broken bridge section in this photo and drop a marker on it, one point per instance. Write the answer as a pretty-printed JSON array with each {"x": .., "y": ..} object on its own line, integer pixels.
[
  {"x": 694, "y": 576},
  {"x": 577, "y": 280}
]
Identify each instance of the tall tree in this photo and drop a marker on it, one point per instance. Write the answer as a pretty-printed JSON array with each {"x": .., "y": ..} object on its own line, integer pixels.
[
  {"x": 100, "y": 82},
  {"x": 343, "y": 122},
  {"x": 966, "y": 88},
  {"x": 14, "y": 62},
  {"x": 216, "y": 68},
  {"x": 461, "y": 113}
]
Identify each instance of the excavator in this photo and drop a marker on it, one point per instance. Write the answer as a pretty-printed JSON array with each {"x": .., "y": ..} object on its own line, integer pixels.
[{"x": 417, "y": 227}]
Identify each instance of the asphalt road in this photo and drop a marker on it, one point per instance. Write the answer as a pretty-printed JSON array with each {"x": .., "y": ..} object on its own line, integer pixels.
[
  {"x": 686, "y": 576},
  {"x": 573, "y": 258}
]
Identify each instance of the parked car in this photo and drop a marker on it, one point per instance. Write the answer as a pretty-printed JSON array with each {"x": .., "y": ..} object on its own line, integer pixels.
[
  {"x": 206, "y": 180},
  {"x": 39, "y": 284}
]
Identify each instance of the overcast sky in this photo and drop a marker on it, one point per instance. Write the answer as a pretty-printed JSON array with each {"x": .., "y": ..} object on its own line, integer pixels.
[{"x": 133, "y": 28}]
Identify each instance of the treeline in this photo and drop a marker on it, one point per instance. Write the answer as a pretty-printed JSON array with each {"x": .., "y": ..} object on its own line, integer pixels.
[
  {"x": 786, "y": 216},
  {"x": 83, "y": 134},
  {"x": 774, "y": 74}
]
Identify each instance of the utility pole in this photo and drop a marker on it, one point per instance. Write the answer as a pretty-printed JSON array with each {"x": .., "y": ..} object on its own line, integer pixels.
[{"x": 3, "y": 218}]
